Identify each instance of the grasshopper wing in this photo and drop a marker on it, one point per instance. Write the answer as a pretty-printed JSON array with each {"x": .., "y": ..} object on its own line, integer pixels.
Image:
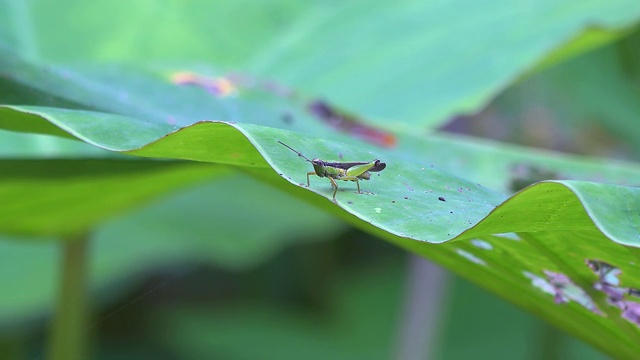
[
  {"x": 345, "y": 165},
  {"x": 377, "y": 166}
]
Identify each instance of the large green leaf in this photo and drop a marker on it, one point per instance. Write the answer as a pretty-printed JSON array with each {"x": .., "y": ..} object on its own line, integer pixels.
[
  {"x": 443, "y": 57},
  {"x": 428, "y": 193},
  {"x": 40, "y": 196},
  {"x": 412, "y": 204}
]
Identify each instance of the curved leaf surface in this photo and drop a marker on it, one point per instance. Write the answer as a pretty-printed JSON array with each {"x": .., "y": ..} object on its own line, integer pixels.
[
  {"x": 40, "y": 197},
  {"x": 412, "y": 203},
  {"x": 410, "y": 185}
]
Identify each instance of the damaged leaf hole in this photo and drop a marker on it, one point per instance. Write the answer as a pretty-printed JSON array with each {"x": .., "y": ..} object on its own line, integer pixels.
[
  {"x": 481, "y": 244},
  {"x": 469, "y": 256},
  {"x": 564, "y": 290}
]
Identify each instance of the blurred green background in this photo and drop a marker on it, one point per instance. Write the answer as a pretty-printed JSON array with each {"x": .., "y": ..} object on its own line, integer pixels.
[{"x": 240, "y": 281}]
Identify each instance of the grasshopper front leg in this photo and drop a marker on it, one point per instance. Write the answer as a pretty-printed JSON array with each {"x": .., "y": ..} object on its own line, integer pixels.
[
  {"x": 334, "y": 185},
  {"x": 310, "y": 173}
]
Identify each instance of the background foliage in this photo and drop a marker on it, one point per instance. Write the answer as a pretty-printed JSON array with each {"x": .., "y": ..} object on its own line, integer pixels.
[{"x": 223, "y": 256}]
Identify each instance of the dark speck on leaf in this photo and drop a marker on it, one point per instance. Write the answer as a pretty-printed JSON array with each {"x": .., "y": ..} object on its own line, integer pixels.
[
  {"x": 349, "y": 202},
  {"x": 406, "y": 198},
  {"x": 393, "y": 201},
  {"x": 441, "y": 198},
  {"x": 287, "y": 118}
]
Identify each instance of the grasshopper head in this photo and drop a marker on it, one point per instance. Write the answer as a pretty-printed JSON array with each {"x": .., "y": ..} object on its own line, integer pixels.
[{"x": 318, "y": 167}]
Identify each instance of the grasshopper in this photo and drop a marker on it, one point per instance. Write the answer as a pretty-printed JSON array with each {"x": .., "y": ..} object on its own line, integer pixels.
[{"x": 341, "y": 170}]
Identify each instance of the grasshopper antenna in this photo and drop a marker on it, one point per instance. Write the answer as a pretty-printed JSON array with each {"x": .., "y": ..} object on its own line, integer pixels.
[{"x": 292, "y": 149}]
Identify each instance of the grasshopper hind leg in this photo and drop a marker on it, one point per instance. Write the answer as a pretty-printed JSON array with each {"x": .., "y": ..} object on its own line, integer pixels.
[
  {"x": 353, "y": 178},
  {"x": 348, "y": 178}
]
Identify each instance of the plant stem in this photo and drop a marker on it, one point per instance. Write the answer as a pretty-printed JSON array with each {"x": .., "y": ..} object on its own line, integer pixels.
[
  {"x": 67, "y": 340},
  {"x": 427, "y": 289},
  {"x": 550, "y": 342}
]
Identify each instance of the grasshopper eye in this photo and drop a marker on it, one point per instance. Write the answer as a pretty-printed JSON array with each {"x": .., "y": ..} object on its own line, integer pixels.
[{"x": 316, "y": 161}]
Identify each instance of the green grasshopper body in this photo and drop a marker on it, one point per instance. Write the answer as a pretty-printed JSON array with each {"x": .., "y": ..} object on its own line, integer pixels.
[{"x": 340, "y": 170}]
